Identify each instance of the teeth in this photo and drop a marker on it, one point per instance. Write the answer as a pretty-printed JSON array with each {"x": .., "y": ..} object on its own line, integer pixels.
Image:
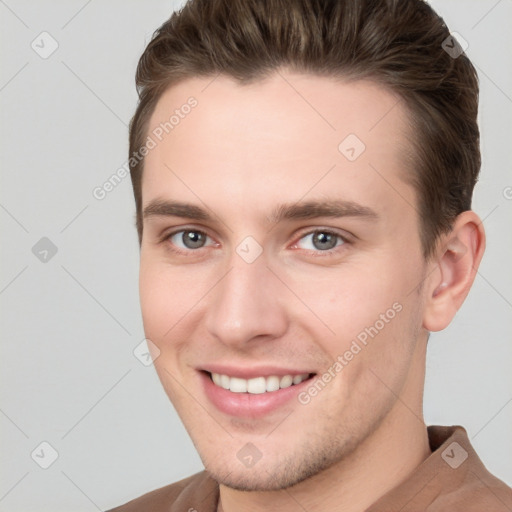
[
  {"x": 216, "y": 378},
  {"x": 257, "y": 385},
  {"x": 272, "y": 383},
  {"x": 224, "y": 381},
  {"x": 236, "y": 385},
  {"x": 286, "y": 381},
  {"x": 297, "y": 379}
]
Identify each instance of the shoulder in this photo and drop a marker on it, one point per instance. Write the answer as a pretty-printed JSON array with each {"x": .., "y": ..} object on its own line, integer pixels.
[
  {"x": 465, "y": 482},
  {"x": 481, "y": 491},
  {"x": 452, "y": 478},
  {"x": 183, "y": 496}
]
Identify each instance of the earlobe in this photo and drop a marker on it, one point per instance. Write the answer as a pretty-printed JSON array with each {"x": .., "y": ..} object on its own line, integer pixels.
[{"x": 457, "y": 261}]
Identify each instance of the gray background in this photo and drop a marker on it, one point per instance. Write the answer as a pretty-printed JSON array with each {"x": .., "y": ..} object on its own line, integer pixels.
[{"x": 68, "y": 373}]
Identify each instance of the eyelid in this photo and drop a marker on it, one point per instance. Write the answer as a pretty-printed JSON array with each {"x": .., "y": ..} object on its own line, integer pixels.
[
  {"x": 168, "y": 234},
  {"x": 344, "y": 235},
  {"x": 170, "y": 231}
]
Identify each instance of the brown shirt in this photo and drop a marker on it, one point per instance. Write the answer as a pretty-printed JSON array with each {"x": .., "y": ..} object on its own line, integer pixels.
[{"x": 452, "y": 478}]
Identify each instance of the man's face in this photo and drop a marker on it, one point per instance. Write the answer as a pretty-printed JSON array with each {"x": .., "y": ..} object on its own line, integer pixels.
[{"x": 271, "y": 252}]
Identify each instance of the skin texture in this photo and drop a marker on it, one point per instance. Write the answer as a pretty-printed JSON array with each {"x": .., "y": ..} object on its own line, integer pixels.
[{"x": 241, "y": 152}]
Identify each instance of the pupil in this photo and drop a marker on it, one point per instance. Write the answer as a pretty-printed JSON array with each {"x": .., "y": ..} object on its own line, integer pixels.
[
  {"x": 193, "y": 239},
  {"x": 324, "y": 240}
]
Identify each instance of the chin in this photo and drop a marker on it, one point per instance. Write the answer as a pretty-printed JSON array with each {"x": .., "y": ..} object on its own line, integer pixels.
[
  {"x": 257, "y": 481},
  {"x": 270, "y": 477}
]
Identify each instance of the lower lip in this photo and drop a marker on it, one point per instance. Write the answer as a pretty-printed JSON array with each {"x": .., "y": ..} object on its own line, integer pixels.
[{"x": 249, "y": 404}]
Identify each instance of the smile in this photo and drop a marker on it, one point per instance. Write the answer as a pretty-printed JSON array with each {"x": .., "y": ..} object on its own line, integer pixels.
[
  {"x": 252, "y": 393},
  {"x": 257, "y": 385}
]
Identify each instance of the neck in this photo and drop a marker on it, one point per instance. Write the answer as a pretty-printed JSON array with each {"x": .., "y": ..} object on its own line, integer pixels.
[{"x": 384, "y": 460}]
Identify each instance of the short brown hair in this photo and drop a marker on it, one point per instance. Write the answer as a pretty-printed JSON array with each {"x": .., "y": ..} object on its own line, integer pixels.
[{"x": 395, "y": 43}]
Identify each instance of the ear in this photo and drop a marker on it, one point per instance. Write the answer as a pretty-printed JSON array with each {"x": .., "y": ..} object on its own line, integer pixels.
[{"x": 453, "y": 270}]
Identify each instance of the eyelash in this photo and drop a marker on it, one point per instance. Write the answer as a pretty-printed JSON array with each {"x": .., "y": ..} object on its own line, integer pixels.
[
  {"x": 187, "y": 252},
  {"x": 317, "y": 253},
  {"x": 326, "y": 253}
]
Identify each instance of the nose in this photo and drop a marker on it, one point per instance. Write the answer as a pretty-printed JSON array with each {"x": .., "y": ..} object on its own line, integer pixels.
[{"x": 246, "y": 305}]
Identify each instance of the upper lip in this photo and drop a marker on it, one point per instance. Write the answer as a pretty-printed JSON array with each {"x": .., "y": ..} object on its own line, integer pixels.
[{"x": 251, "y": 372}]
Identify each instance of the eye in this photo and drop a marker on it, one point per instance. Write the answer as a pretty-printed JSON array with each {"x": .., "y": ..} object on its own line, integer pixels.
[
  {"x": 320, "y": 241},
  {"x": 190, "y": 239}
]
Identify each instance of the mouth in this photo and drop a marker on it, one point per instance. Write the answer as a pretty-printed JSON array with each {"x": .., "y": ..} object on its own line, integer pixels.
[
  {"x": 252, "y": 394},
  {"x": 258, "y": 385}
]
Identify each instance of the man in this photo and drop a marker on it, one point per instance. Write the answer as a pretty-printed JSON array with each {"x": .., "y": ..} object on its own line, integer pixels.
[{"x": 303, "y": 173}]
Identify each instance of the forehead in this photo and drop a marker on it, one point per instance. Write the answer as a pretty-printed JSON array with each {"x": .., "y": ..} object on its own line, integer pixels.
[{"x": 282, "y": 138}]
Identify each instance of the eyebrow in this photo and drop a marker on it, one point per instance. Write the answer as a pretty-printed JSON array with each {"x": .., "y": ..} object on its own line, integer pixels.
[
  {"x": 162, "y": 208},
  {"x": 327, "y": 208},
  {"x": 287, "y": 211}
]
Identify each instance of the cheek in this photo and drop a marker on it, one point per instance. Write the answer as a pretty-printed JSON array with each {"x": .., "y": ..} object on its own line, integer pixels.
[
  {"x": 370, "y": 357},
  {"x": 350, "y": 302},
  {"x": 370, "y": 313},
  {"x": 162, "y": 308},
  {"x": 172, "y": 304},
  {"x": 162, "y": 299},
  {"x": 154, "y": 300}
]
